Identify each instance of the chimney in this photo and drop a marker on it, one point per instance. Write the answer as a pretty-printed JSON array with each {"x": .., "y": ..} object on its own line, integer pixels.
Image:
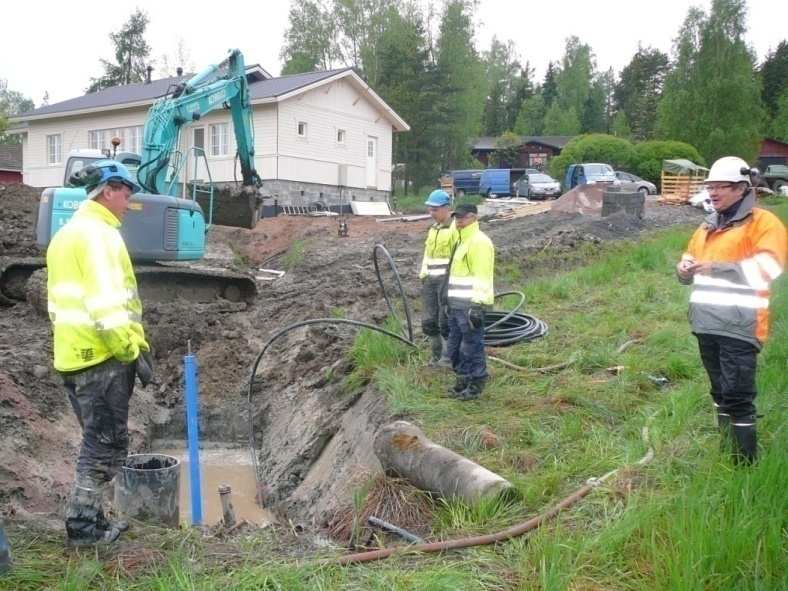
[
  {"x": 148, "y": 71},
  {"x": 179, "y": 71}
]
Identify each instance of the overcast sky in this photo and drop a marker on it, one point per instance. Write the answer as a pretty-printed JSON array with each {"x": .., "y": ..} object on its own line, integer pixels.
[{"x": 55, "y": 46}]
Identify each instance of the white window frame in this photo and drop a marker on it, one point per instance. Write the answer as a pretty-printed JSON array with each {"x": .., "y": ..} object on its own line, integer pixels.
[
  {"x": 302, "y": 128},
  {"x": 220, "y": 139},
  {"x": 55, "y": 149},
  {"x": 341, "y": 136},
  {"x": 131, "y": 138}
]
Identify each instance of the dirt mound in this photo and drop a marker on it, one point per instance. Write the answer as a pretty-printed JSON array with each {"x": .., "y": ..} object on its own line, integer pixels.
[{"x": 19, "y": 205}]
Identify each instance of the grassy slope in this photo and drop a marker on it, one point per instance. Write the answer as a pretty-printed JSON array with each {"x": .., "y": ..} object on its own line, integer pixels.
[{"x": 687, "y": 521}]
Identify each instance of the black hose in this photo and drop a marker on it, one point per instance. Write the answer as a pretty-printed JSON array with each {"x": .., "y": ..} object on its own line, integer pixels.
[{"x": 501, "y": 329}]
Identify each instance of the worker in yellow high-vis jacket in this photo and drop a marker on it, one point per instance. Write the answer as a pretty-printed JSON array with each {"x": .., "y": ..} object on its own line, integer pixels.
[
  {"x": 441, "y": 238},
  {"x": 99, "y": 341},
  {"x": 470, "y": 292}
]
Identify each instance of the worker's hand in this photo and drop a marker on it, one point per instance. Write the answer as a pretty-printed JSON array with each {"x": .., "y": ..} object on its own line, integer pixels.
[
  {"x": 683, "y": 268},
  {"x": 701, "y": 268},
  {"x": 144, "y": 367},
  {"x": 476, "y": 317}
]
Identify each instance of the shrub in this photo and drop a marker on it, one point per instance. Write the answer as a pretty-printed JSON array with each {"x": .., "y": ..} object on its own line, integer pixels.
[
  {"x": 649, "y": 156},
  {"x": 595, "y": 147}
]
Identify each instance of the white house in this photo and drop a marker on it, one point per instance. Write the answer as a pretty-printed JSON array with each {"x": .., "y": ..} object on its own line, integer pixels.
[{"x": 313, "y": 132}]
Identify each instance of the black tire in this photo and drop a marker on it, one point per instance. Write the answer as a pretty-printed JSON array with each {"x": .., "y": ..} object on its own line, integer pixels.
[
  {"x": 779, "y": 184},
  {"x": 644, "y": 191}
]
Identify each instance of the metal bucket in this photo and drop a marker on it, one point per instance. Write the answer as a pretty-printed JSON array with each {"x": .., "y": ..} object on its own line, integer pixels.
[{"x": 148, "y": 489}]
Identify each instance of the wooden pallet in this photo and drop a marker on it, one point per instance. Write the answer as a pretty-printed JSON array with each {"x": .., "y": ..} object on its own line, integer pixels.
[{"x": 677, "y": 189}]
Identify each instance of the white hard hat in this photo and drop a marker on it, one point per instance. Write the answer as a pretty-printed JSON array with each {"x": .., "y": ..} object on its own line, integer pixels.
[{"x": 731, "y": 169}]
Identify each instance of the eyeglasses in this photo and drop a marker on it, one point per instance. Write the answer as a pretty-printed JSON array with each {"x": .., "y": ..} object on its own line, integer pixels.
[{"x": 718, "y": 186}]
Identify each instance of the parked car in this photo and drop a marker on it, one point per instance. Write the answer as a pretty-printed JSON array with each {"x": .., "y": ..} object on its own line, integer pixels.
[
  {"x": 537, "y": 186},
  {"x": 499, "y": 181},
  {"x": 465, "y": 182},
  {"x": 632, "y": 182},
  {"x": 589, "y": 174}
]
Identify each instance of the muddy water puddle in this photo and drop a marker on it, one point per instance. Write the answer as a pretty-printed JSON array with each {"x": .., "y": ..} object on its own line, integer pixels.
[{"x": 219, "y": 467}]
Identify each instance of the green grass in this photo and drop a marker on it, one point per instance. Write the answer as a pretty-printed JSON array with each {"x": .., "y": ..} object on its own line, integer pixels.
[
  {"x": 295, "y": 254},
  {"x": 688, "y": 520}
]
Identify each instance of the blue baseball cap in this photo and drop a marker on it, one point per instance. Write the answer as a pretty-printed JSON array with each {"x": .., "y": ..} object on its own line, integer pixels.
[{"x": 438, "y": 198}]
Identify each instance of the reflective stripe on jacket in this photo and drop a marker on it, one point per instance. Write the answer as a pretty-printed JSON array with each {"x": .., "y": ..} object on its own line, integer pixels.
[
  {"x": 437, "y": 250},
  {"x": 472, "y": 266},
  {"x": 93, "y": 303},
  {"x": 747, "y": 253}
]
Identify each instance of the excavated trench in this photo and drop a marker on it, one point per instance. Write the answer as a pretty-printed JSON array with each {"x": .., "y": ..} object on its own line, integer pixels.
[{"x": 313, "y": 427}]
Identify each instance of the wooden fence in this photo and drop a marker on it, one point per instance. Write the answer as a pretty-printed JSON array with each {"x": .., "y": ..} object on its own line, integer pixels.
[{"x": 678, "y": 188}]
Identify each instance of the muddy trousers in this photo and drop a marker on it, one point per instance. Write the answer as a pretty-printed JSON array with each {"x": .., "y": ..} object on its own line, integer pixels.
[
  {"x": 466, "y": 346},
  {"x": 731, "y": 365},
  {"x": 433, "y": 319},
  {"x": 100, "y": 397}
]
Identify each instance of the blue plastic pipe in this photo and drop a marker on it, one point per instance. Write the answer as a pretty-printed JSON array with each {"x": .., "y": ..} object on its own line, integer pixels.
[{"x": 191, "y": 380}]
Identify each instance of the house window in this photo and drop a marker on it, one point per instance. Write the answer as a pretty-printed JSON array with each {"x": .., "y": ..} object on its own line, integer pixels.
[
  {"x": 340, "y": 136},
  {"x": 130, "y": 138},
  {"x": 301, "y": 129},
  {"x": 54, "y": 149},
  {"x": 219, "y": 139}
]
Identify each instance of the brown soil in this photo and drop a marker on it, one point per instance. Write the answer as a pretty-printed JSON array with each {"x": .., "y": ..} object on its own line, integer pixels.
[{"x": 314, "y": 436}]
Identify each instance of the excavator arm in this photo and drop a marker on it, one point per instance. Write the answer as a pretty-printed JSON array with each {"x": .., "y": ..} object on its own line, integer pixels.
[{"x": 190, "y": 101}]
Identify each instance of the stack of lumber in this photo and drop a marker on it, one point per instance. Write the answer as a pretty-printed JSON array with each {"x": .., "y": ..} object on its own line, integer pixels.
[{"x": 677, "y": 189}]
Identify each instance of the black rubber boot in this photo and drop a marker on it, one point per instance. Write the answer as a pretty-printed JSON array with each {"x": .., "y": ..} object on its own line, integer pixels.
[
  {"x": 474, "y": 390},
  {"x": 745, "y": 441},
  {"x": 85, "y": 521},
  {"x": 460, "y": 385},
  {"x": 726, "y": 431}
]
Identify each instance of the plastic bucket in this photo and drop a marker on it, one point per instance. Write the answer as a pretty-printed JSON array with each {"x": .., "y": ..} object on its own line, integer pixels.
[{"x": 148, "y": 488}]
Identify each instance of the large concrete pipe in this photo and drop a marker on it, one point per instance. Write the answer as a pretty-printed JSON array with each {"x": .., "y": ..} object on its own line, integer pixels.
[{"x": 403, "y": 449}]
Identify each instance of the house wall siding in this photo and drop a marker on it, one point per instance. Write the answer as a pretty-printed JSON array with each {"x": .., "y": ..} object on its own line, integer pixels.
[{"x": 279, "y": 153}]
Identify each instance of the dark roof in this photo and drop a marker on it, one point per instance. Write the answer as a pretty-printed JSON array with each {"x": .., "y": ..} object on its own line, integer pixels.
[
  {"x": 554, "y": 141},
  {"x": 11, "y": 157},
  {"x": 136, "y": 93}
]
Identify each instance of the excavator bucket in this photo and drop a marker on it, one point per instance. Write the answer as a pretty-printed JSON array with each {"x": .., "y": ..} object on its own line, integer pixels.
[{"x": 236, "y": 206}]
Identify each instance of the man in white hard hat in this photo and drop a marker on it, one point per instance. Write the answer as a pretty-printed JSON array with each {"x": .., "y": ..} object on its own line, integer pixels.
[{"x": 731, "y": 262}]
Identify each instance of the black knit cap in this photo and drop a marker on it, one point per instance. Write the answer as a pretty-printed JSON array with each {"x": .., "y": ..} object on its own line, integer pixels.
[{"x": 464, "y": 209}]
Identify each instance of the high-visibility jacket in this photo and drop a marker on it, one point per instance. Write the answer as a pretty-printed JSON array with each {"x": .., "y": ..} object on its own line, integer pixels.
[
  {"x": 437, "y": 250},
  {"x": 472, "y": 267},
  {"x": 748, "y": 252},
  {"x": 93, "y": 303}
]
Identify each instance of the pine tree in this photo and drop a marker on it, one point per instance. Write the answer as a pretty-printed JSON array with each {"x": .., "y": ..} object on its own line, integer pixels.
[
  {"x": 550, "y": 86},
  {"x": 774, "y": 73},
  {"x": 530, "y": 119},
  {"x": 639, "y": 89},
  {"x": 131, "y": 50}
]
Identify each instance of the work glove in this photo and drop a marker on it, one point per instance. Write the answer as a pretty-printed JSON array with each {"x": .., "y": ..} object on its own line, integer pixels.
[
  {"x": 145, "y": 367},
  {"x": 476, "y": 317}
]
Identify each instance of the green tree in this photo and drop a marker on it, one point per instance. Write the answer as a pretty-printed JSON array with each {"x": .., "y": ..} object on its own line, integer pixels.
[
  {"x": 530, "y": 119},
  {"x": 407, "y": 82},
  {"x": 309, "y": 38},
  {"x": 12, "y": 103},
  {"x": 462, "y": 82},
  {"x": 620, "y": 126},
  {"x": 774, "y": 73},
  {"x": 508, "y": 85},
  {"x": 522, "y": 90},
  {"x": 561, "y": 121},
  {"x": 713, "y": 100},
  {"x": 639, "y": 89},
  {"x": 549, "y": 85},
  {"x": 779, "y": 127},
  {"x": 131, "y": 51}
]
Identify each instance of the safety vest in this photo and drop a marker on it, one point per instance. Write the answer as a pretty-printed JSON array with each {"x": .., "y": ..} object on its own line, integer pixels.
[
  {"x": 472, "y": 266},
  {"x": 748, "y": 252},
  {"x": 437, "y": 250},
  {"x": 93, "y": 303}
]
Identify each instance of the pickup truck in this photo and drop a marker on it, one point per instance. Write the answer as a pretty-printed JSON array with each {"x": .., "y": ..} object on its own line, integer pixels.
[
  {"x": 589, "y": 174},
  {"x": 776, "y": 176}
]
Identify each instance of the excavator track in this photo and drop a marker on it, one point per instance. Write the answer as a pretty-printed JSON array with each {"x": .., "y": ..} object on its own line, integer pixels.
[{"x": 23, "y": 279}]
